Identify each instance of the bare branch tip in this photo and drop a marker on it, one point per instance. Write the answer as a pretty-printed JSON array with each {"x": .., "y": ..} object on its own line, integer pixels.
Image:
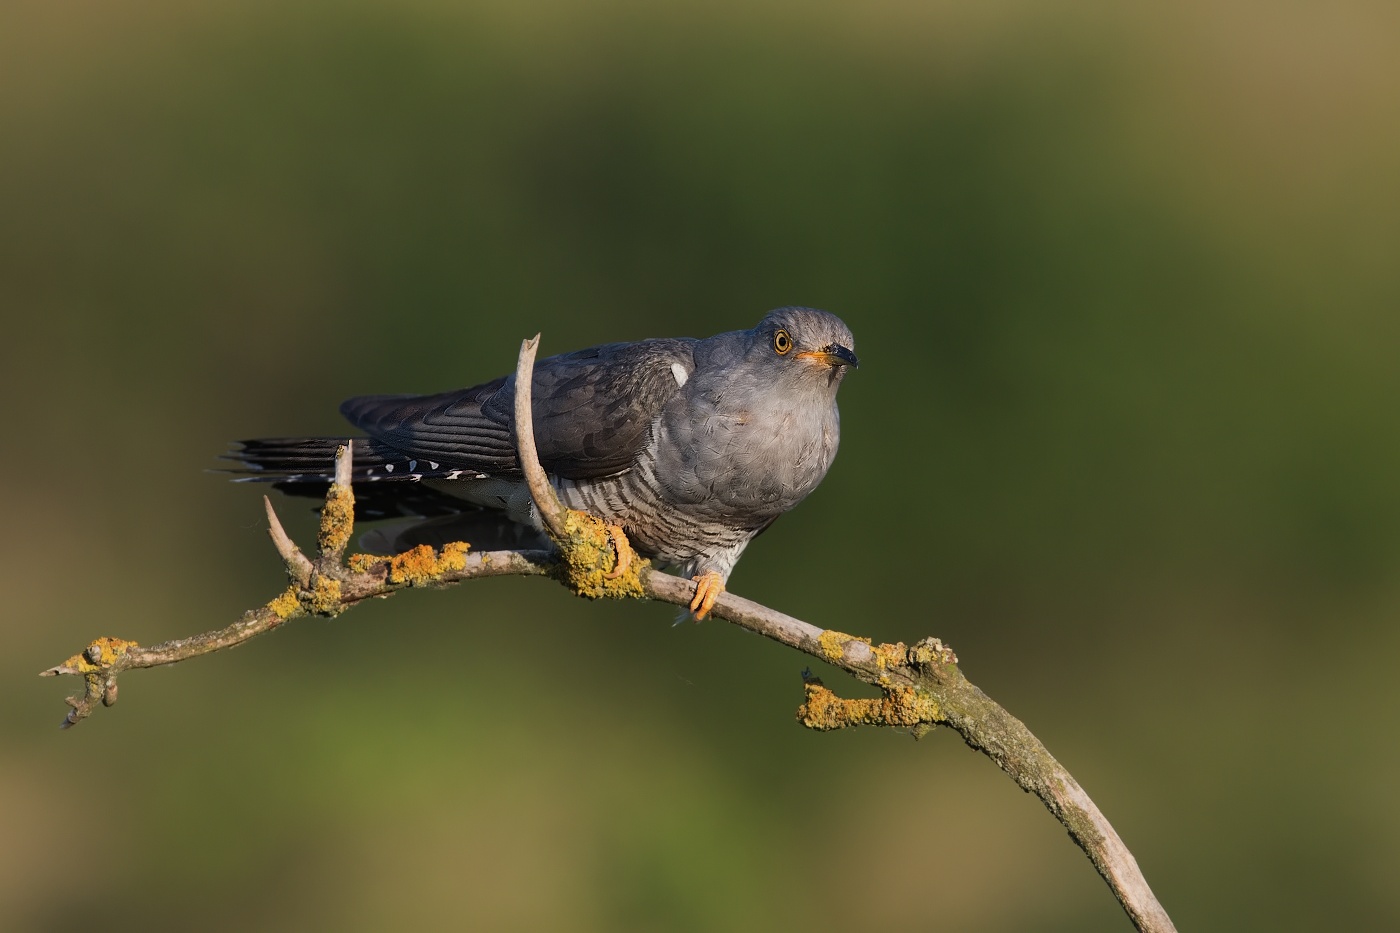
[
  {"x": 338, "y": 514},
  {"x": 298, "y": 564},
  {"x": 344, "y": 463},
  {"x": 547, "y": 504}
]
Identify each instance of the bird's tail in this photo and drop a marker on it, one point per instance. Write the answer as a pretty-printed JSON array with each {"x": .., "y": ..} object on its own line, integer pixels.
[
  {"x": 312, "y": 460},
  {"x": 306, "y": 459},
  {"x": 385, "y": 480}
]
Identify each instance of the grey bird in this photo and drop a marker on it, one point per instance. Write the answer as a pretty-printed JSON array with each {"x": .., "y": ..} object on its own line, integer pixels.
[{"x": 691, "y": 447}]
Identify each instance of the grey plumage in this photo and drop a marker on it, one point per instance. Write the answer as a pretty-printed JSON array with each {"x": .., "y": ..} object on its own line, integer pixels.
[{"x": 692, "y": 446}]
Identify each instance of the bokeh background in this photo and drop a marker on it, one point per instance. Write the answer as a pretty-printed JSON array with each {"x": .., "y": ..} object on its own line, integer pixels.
[{"x": 1124, "y": 281}]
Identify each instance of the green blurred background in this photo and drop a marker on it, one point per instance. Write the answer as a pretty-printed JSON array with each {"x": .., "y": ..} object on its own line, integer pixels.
[{"x": 1124, "y": 282}]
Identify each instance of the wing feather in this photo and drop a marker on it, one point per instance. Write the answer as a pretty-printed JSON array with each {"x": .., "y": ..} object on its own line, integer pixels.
[{"x": 593, "y": 409}]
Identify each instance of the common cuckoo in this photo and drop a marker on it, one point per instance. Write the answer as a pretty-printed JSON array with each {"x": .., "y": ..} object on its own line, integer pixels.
[{"x": 691, "y": 447}]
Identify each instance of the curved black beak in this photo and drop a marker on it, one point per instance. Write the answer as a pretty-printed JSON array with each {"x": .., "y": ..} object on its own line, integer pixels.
[{"x": 842, "y": 354}]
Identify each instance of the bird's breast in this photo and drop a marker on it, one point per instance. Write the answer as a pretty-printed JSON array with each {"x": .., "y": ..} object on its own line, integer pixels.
[{"x": 743, "y": 463}]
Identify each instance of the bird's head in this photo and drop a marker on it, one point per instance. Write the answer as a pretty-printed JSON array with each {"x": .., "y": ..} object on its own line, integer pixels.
[{"x": 805, "y": 345}]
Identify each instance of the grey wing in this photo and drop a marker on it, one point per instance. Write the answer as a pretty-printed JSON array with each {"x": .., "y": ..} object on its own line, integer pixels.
[
  {"x": 446, "y": 430},
  {"x": 592, "y": 408}
]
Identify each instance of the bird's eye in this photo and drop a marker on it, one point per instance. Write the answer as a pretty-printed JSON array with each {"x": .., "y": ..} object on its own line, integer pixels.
[{"x": 782, "y": 342}]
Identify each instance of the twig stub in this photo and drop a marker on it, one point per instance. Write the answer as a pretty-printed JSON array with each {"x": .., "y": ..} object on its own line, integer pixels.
[
  {"x": 338, "y": 514},
  {"x": 298, "y": 564},
  {"x": 547, "y": 504}
]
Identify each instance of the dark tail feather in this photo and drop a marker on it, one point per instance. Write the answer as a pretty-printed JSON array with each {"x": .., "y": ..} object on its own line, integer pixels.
[
  {"x": 312, "y": 460},
  {"x": 387, "y": 500},
  {"x": 385, "y": 479},
  {"x": 302, "y": 459}
]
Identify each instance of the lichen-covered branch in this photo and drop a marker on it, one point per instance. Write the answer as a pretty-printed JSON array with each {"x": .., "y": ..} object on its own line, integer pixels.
[
  {"x": 921, "y": 685},
  {"x": 326, "y": 586}
]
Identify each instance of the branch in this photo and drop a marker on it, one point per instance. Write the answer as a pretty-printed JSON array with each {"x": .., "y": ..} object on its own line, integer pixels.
[
  {"x": 921, "y": 685},
  {"x": 547, "y": 504}
]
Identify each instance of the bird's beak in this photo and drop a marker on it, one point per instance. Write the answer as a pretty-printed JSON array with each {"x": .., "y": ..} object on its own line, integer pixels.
[{"x": 833, "y": 354}]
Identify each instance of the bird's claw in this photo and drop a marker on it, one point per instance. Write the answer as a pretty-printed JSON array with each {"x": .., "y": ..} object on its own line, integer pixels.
[
  {"x": 708, "y": 587},
  {"x": 622, "y": 548}
]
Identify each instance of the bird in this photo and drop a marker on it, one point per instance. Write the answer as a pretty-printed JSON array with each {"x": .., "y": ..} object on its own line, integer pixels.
[{"x": 691, "y": 447}]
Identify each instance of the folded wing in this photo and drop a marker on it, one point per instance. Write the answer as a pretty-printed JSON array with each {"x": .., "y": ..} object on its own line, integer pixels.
[{"x": 592, "y": 409}]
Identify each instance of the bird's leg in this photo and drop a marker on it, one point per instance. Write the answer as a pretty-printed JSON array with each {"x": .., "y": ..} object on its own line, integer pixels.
[
  {"x": 708, "y": 586},
  {"x": 622, "y": 548}
]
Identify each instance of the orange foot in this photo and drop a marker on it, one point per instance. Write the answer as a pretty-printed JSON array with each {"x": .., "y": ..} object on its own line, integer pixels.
[
  {"x": 622, "y": 548},
  {"x": 708, "y": 586}
]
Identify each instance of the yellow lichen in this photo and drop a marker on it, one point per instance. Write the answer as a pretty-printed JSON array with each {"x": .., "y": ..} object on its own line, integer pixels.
[
  {"x": 413, "y": 566},
  {"x": 899, "y": 706},
  {"x": 100, "y": 655},
  {"x": 932, "y": 651},
  {"x": 823, "y": 710},
  {"x": 888, "y": 656},
  {"x": 454, "y": 556},
  {"x": 324, "y": 598},
  {"x": 834, "y": 643},
  {"x": 364, "y": 563},
  {"x": 287, "y": 604},
  {"x": 337, "y": 519},
  {"x": 422, "y": 565},
  {"x": 909, "y": 706},
  {"x": 587, "y": 557}
]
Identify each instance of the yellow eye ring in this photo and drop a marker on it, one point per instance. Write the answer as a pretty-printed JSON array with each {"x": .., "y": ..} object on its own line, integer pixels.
[{"x": 782, "y": 342}]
